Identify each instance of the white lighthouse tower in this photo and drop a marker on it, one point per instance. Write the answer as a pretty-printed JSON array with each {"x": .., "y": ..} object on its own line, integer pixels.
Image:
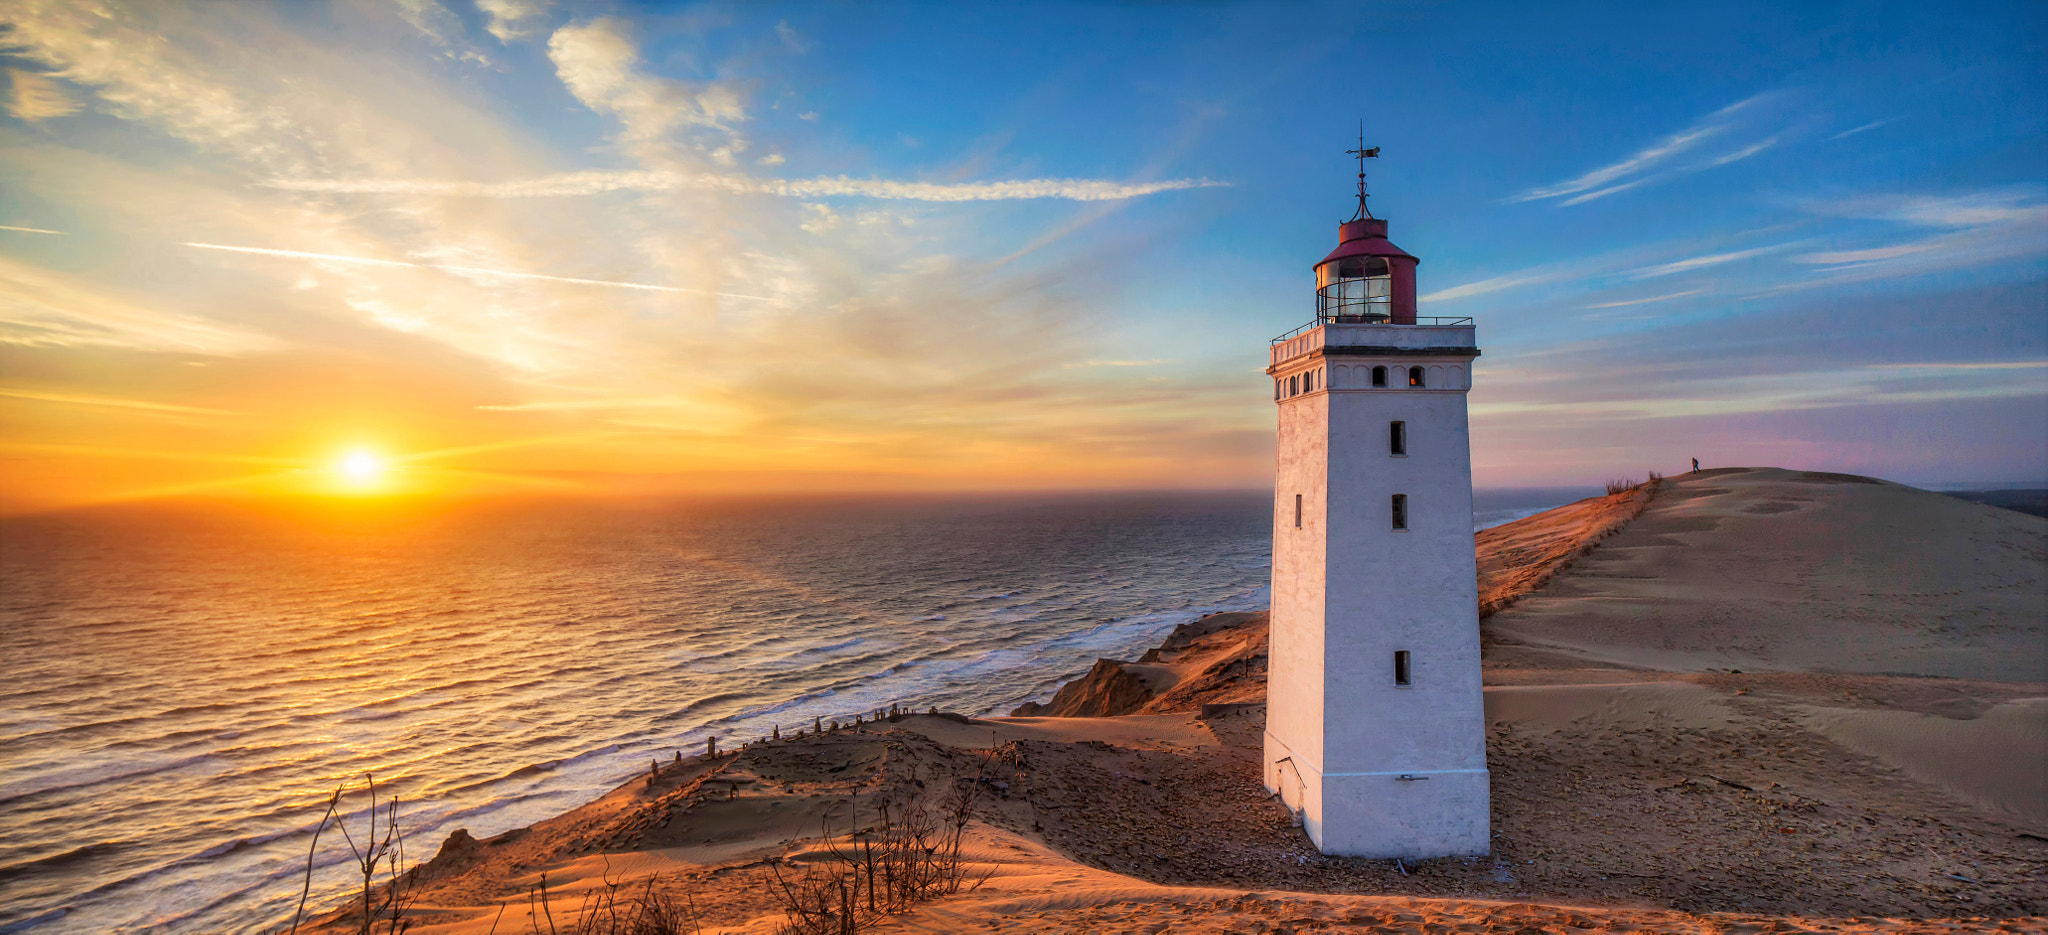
[{"x": 1375, "y": 730}]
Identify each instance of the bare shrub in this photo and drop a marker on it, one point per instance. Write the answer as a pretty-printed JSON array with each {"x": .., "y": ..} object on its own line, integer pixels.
[
  {"x": 616, "y": 908},
  {"x": 374, "y": 853},
  {"x": 1619, "y": 486},
  {"x": 911, "y": 856}
]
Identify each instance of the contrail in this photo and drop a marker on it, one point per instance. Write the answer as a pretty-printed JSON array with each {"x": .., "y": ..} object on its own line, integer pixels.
[
  {"x": 28, "y": 230},
  {"x": 366, "y": 261},
  {"x": 570, "y": 184}
]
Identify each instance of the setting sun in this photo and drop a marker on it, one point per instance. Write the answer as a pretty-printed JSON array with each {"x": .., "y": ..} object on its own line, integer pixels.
[{"x": 360, "y": 469}]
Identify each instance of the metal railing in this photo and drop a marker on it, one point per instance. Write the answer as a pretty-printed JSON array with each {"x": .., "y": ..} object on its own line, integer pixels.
[{"x": 1321, "y": 320}]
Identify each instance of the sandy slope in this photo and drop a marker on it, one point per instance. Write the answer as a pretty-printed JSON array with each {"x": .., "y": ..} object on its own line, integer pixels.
[
  {"x": 1767, "y": 569},
  {"x": 1639, "y": 784}
]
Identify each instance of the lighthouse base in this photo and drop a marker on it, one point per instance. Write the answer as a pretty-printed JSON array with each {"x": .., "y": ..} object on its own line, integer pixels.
[{"x": 1414, "y": 814}]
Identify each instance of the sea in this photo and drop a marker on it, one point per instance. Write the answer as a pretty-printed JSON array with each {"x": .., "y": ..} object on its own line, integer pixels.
[{"x": 186, "y": 684}]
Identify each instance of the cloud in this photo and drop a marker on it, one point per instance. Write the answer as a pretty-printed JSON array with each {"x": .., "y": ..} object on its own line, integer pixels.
[
  {"x": 29, "y": 230},
  {"x": 1975, "y": 209},
  {"x": 510, "y": 20},
  {"x": 36, "y": 97},
  {"x": 1717, "y": 392},
  {"x": 1654, "y": 161},
  {"x": 1862, "y": 256},
  {"x": 1975, "y": 228},
  {"x": 571, "y": 184},
  {"x": 1654, "y": 298},
  {"x": 598, "y": 62},
  {"x": 1852, "y": 131},
  {"x": 469, "y": 270},
  {"x": 1668, "y": 147},
  {"x": 109, "y": 403},
  {"x": 39, "y": 308},
  {"x": 1117, "y": 363},
  {"x": 1743, "y": 153},
  {"x": 1698, "y": 262},
  {"x": 792, "y": 39}
]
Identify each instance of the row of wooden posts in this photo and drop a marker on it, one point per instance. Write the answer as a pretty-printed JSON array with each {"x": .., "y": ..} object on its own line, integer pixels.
[{"x": 818, "y": 726}]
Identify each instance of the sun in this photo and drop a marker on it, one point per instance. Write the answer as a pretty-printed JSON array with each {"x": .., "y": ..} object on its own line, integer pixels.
[{"x": 360, "y": 469}]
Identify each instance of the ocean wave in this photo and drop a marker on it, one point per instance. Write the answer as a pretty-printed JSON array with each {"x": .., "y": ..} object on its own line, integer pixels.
[
  {"x": 507, "y": 663},
  {"x": 19, "y": 792},
  {"x": 75, "y": 855}
]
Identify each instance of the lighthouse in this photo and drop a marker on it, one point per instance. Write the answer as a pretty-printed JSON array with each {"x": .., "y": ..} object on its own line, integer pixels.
[{"x": 1375, "y": 726}]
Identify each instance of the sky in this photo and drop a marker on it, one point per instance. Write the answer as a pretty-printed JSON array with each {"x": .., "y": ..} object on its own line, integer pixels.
[{"x": 492, "y": 246}]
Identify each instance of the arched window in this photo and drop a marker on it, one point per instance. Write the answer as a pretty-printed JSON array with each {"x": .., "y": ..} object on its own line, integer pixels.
[
  {"x": 1278, "y": 385},
  {"x": 1415, "y": 376},
  {"x": 1293, "y": 386},
  {"x": 1379, "y": 376}
]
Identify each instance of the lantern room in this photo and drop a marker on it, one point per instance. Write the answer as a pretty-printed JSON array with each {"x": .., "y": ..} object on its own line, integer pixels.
[{"x": 1366, "y": 280}]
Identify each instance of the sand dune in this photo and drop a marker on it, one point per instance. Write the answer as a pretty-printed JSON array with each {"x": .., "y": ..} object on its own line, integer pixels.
[
  {"x": 1762, "y": 569},
  {"x": 1879, "y": 762}
]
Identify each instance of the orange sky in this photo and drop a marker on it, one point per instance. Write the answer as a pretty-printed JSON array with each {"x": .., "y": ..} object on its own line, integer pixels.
[{"x": 527, "y": 248}]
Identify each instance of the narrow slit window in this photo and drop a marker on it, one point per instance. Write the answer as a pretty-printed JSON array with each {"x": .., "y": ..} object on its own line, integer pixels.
[
  {"x": 1415, "y": 376},
  {"x": 1278, "y": 385},
  {"x": 1379, "y": 376},
  {"x": 1400, "y": 511},
  {"x": 1293, "y": 386},
  {"x": 1297, "y": 511},
  {"x": 1397, "y": 438},
  {"x": 1401, "y": 668}
]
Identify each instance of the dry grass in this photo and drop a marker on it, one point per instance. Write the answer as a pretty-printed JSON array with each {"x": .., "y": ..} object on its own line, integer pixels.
[
  {"x": 910, "y": 856},
  {"x": 1520, "y": 557}
]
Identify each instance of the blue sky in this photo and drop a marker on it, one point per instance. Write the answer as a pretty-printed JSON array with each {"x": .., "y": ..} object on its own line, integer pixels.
[{"x": 922, "y": 245}]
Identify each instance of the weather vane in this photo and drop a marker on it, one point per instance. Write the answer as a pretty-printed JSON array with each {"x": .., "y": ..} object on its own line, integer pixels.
[{"x": 1363, "y": 154}]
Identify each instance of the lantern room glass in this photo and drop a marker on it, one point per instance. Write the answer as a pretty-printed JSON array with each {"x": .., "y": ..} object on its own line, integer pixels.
[{"x": 1355, "y": 289}]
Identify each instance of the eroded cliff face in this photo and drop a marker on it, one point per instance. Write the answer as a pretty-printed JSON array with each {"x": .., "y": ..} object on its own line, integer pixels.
[
  {"x": 1219, "y": 658},
  {"x": 1106, "y": 691}
]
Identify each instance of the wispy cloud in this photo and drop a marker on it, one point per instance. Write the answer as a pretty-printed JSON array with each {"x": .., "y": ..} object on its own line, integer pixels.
[
  {"x": 1873, "y": 254},
  {"x": 1818, "y": 388},
  {"x": 1852, "y": 131},
  {"x": 1698, "y": 262},
  {"x": 599, "y": 64},
  {"x": 1658, "y": 160},
  {"x": 595, "y": 183},
  {"x": 1972, "y": 229},
  {"x": 1654, "y": 298},
  {"x": 29, "y": 230},
  {"x": 1654, "y": 155},
  {"x": 1743, "y": 153},
  {"x": 110, "y": 403},
  {"x": 510, "y": 20},
  {"x": 40, "y": 308},
  {"x": 1116, "y": 363},
  {"x": 469, "y": 270},
  {"x": 36, "y": 97}
]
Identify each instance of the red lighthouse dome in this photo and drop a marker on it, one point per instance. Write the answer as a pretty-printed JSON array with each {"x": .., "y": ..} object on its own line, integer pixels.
[{"x": 1366, "y": 279}]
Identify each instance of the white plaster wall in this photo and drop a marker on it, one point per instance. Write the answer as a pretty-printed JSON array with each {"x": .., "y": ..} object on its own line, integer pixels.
[
  {"x": 1349, "y": 590},
  {"x": 1413, "y": 590},
  {"x": 1294, "y": 695}
]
